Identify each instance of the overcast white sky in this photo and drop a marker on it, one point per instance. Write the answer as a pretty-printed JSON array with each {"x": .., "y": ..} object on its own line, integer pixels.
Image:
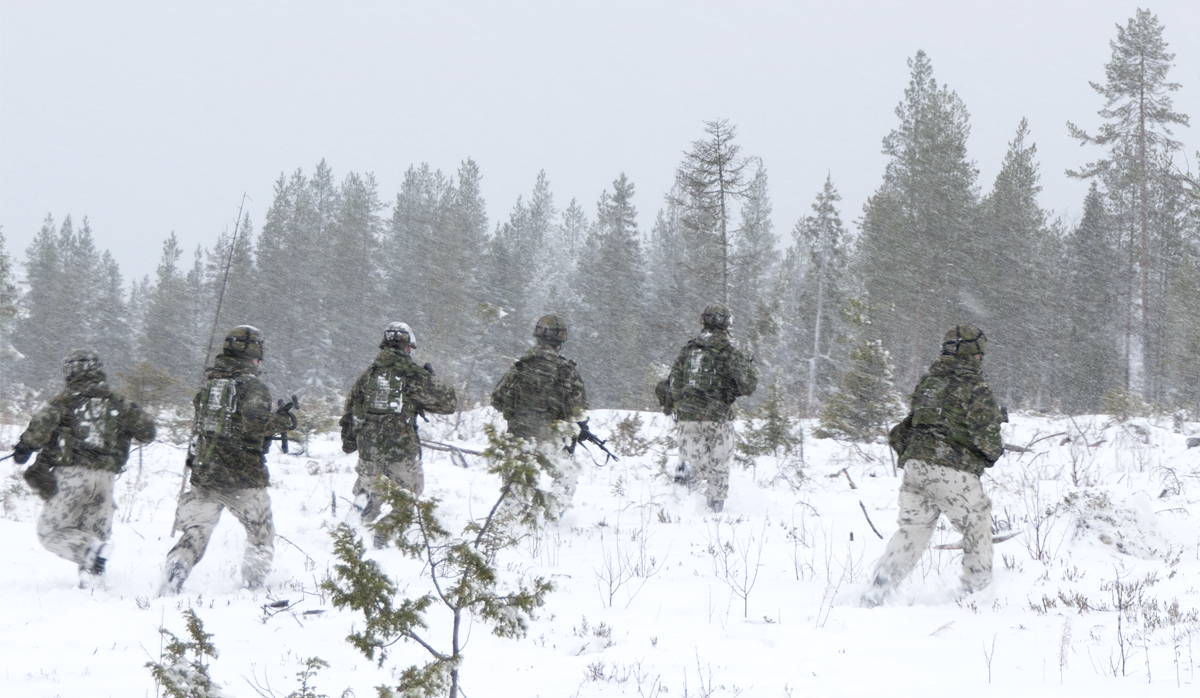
[{"x": 153, "y": 117}]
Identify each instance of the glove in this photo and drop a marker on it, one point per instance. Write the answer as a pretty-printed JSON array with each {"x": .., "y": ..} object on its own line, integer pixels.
[
  {"x": 349, "y": 440},
  {"x": 292, "y": 419},
  {"x": 21, "y": 453},
  {"x": 41, "y": 479},
  {"x": 429, "y": 367}
]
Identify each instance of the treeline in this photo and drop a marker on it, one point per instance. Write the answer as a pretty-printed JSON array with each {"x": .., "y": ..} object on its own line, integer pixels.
[{"x": 1106, "y": 306}]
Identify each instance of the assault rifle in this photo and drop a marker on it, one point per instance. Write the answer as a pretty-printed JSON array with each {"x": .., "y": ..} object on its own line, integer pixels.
[
  {"x": 585, "y": 435},
  {"x": 283, "y": 408}
]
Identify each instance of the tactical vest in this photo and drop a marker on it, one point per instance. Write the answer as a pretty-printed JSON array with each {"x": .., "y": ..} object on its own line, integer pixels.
[{"x": 91, "y": 428}]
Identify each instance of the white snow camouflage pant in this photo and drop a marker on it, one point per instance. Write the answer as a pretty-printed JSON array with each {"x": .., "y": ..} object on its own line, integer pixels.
[
  {"x": 406, "y": 473},
  {"x": 927, "y": 491},
  {"x": 200, "y": 509},
  {"x": 80, "y": 514},
  {"x": 706, "y": 449}
]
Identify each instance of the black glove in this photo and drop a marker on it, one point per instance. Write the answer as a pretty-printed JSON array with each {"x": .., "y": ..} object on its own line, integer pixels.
[
  {"x": 349, "y": 440},
  {"x": 429, "y": 367},
  {"x": 21, "y": 453},
  {"x": 41, "y": 479}
]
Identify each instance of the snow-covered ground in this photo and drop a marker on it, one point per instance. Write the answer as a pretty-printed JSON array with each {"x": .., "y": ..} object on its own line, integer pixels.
[{"x": 655, "y": 596}]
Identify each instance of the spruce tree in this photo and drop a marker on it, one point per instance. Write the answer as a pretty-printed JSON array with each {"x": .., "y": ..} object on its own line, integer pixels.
[
  {"x": 607, "y": 327},
  {"x": 1016, "y": 275},
  {"x": 713, "y": 177},
  {"x": 915, "y": 251},
  {"x": 820, "y": 257},
  {"x": 867, "y": 404},
  {"x": 168, "y": 341}
]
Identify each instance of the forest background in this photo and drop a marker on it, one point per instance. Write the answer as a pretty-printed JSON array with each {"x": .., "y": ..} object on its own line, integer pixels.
[{"x": 1093, "y": 315}]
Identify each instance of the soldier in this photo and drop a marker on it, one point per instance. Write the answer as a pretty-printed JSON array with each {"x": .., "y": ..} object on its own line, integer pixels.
[
  {"x": 539, "y": 396},
  {"x": 84, "y": 435},
  {"x": 380, "y": 421},
  {"x": 227, "y": 458},
  {"x": 944, "y": 444},
  {"x": 707, "y": 376}
]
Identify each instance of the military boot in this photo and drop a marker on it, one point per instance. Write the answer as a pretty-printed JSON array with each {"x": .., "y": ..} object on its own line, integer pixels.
[
  {"x": 91, "y": 571},
  {"x": 174, "y": 574}
]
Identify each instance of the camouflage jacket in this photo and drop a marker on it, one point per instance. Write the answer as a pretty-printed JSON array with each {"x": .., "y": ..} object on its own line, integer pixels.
[
  {"x": 233, "y": 420},
  {"x": 955, "y": 419},
  {"x": 708, "y": 375},
  {"x": 540, "y": 388},
  {"x": 88, "y": 425},
  {"x": 380, "y": 419}
]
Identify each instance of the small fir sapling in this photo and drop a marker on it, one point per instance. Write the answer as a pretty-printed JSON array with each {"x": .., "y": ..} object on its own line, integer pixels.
[
  {"x": 777, "y": 435},
  {"x": 182, "y": 669},
  {"x": 867, "y": 404},
  {"x": 461, "y": 570}
]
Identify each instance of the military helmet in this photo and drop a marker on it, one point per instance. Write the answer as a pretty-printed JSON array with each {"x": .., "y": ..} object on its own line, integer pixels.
[
  {"x": 967, "y": 340},
  {"x": 244, "y": 342},
  {"x": 551, "y": 328},
  {"x": 716, "y": 317},
  {"x": 81, "y": 361},
  {"x": 399, "y": 335}
]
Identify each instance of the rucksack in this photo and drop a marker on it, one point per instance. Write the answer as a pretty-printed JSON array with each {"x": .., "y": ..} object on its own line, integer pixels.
[
  {"x": 385, "y": 391},
  {"x": 218, "y": 405},
  {"x": 92, "y": 427},
  {"x": 931, "y": 408},
  {"x": 703, "y": 376}
]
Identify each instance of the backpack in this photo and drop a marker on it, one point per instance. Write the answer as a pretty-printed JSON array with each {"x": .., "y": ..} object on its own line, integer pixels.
[
  {"x": 385, "y": 391},
  {"x": 218, "y": 405},
  {"x": 932, "y": 409},
  {"x": 92, "y": 427},
  {"x": 703, "y": 376}
]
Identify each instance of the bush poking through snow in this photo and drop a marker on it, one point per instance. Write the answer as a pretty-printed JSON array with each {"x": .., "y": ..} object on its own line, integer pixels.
[{"x": 182, "y": 671}]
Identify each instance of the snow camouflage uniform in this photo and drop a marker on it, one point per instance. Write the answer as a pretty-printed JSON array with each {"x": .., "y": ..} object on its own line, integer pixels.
[
  {"x": 944, "y": 444},
  {"x": 228, "y": 463},
  {"x": 380, "y": 422},
  {"x": 83, "y": 434},
  {"x": 541, "y": 396},
  {"x": 707, "y": 376}
]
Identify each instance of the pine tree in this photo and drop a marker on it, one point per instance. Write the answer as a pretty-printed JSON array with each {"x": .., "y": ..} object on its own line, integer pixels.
[{"x": 1139, "y": 116}]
